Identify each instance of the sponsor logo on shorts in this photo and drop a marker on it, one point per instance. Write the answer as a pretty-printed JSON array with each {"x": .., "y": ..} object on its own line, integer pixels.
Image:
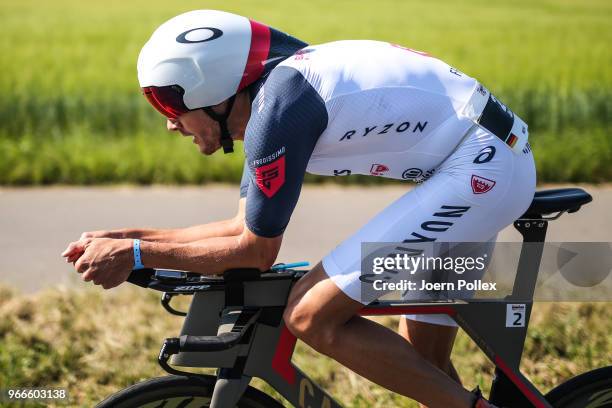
[
  {"x": 378, "y": 169},
  {"x": 345, "y": 172},
  {"x": 417, "y": 175},
  {"x": 485, "y": 155},
  {"x": 438, "y": 223},
  {"x": 412, "y": 173},
  {"x": 527, "y": 148},
  {"x": 481, "y": 185},
  {"x": 271, "y": 177}
]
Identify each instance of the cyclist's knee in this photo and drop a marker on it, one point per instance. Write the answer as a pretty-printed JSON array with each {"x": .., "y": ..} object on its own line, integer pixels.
[
  {"x": 299, "y": 319},
  {"x": 316, "y": 308},
  {"x": 301, "y": 316},
  {"x": 309, "y": 325}
]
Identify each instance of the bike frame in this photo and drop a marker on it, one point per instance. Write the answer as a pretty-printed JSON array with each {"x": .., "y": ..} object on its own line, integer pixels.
[{"x": 235, "y": 324}]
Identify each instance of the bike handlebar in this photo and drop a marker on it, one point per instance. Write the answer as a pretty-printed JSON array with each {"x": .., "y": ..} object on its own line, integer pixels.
[
  {"x": 221, "y": 342},
  {"x": 181, "y": 282},
  {"x": 173, "y": 283}
]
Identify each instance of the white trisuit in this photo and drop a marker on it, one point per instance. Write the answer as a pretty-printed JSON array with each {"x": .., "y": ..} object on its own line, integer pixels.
[{"x": 373, "y": 108}]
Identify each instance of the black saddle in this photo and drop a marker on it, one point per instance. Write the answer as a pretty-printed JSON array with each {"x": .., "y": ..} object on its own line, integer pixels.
[{"x": 558, "y": 200}]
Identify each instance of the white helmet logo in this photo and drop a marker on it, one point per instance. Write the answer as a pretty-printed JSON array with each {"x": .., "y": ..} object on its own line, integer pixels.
[{"x": 198, "y": 35}]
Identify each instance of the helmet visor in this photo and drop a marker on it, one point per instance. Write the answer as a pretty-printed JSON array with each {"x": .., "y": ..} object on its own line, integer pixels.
[{"x": 168, "y": 100}]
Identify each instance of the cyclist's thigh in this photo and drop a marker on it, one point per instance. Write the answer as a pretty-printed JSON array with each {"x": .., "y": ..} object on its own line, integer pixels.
[
  {"x": 315, "y": 299},
  {"x": 481, "y": 188},
  {"x": 482, "y": 251}
]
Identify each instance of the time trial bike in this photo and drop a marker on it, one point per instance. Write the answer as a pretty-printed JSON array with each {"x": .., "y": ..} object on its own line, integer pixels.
[{"x": 235, "y": 324}]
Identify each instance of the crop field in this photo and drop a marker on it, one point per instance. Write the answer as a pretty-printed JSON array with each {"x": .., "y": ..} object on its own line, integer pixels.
[{"x": 71, "y": 109}]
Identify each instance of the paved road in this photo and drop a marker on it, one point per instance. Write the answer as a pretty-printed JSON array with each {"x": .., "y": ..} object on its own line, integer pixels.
[{"x": 37, "y": 223}]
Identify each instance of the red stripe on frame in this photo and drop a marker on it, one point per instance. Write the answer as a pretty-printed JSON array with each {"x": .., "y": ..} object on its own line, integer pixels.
[
  {"x": 517, "y": 381},
  {"x": 281, "y": 362},
  {"x": 400, "y": 310},
  {"x": 258, "y": 53}
]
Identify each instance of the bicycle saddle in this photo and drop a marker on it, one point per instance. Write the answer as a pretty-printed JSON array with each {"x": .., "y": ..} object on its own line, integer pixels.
[{"x": 556, "y": 200}]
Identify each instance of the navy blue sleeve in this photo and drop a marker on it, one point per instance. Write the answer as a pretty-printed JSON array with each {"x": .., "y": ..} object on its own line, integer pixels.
[
  {"x": 287, "y": 118},
  {"x": 244, "y": 181}
]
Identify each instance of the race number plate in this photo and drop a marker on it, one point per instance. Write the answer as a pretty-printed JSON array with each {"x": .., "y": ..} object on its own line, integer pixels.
[{"x": 515, "y": 315}]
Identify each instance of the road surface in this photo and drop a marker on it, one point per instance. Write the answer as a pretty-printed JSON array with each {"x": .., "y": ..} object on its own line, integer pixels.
[{"x": 36, "y": 224}]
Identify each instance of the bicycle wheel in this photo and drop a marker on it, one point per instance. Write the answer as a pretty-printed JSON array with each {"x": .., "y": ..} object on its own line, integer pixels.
[
  {"x": 592, "y": 389},
  {"x": 176, "y": 391}
]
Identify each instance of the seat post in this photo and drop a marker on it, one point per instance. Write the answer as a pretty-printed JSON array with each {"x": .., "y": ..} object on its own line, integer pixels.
[
  {"x": 534, "y": 235},
  {"x": 503, "y": 390}
]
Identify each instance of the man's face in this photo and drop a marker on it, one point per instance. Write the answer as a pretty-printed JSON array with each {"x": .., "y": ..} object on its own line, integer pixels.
[{"x": 197, "y": 124}]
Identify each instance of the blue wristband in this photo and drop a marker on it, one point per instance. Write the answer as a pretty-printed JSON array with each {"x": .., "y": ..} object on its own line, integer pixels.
[{"x": 137, "y": 259}]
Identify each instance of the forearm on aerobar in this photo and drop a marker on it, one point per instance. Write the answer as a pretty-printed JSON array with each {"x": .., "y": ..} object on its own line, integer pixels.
[
  {"x": 209, "y": 256},
  {"x": 225, "y": 228}
]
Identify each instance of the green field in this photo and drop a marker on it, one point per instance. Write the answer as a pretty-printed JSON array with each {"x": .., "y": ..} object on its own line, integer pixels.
[
  {"x": 94, "y": 343},
  {"x": 71, "y": 110}
]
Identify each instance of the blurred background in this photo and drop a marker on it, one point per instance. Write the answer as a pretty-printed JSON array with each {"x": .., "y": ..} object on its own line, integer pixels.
[
  {"x": 81, "y": 150},
  {"x": 72, "y": 111}
]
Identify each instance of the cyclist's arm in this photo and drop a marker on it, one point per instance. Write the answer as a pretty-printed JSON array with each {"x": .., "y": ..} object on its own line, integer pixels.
[
  {"x": 279, "y": 141},
  {"x": 213, "y": 255},
  {"x": 224, "y": 228}
]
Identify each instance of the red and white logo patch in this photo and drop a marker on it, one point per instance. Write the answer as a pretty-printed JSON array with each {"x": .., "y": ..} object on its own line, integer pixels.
[
  {"x": 271, "y": 177},
  {"x": 481, "y": 185},
  {"x": 378, "y": 169}
]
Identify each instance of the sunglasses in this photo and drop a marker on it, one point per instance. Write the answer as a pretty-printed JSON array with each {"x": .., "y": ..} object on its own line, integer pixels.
[{"x": 167, "y": 100}]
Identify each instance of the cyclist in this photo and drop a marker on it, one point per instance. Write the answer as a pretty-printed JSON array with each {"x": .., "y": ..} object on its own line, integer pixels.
[{"x": 341, "y": 108}]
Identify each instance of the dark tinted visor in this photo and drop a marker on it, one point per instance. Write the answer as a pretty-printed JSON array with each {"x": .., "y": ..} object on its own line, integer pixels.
[{"x": 168, "y": 100}]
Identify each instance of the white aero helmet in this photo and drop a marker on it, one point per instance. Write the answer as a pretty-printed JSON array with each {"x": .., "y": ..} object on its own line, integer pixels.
[{"x": 203, "y": 57}]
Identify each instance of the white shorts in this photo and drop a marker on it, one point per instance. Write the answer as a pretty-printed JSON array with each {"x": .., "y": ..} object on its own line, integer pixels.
[{"x": 483, "y": 173}]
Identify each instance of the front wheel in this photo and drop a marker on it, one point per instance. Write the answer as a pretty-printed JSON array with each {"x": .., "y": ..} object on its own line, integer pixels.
[
  {"x": 592, "y": 389},
  {"x": 179, "y": 391}
]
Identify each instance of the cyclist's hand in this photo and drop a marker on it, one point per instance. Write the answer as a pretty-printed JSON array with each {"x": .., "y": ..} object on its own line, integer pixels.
[
  {"x": 101, "y": 234},
  {"x": 73, "y": 251},
  {"x": 105, "y": 261}
]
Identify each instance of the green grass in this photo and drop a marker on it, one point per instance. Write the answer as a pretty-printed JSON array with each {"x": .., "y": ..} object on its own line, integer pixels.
[
  {"x": 85, "y": 158},
  {"x": 94, "y": 343},
  {"x": 81, "y": 157},
  {"x": 69, "y": 77}
]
